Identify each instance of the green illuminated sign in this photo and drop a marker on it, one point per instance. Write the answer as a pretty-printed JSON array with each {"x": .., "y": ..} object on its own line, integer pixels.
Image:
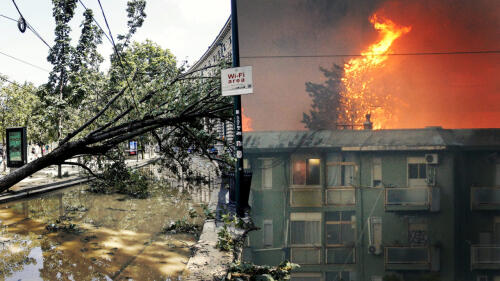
[{"x": 16, "y": 147}]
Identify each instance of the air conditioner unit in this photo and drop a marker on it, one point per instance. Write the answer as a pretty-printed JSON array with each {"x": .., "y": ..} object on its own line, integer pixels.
[
  {"x": 375, "y": 249},
  {"x": 431, "y": 158}
]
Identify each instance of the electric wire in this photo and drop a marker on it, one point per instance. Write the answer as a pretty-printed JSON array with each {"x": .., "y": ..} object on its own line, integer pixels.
[
  {"x": 25, "y": 62},
  {"x": 97, "y": 23},
  {"x": 388, "y": 54},
  {"x": 117, "y": 53},
  {"x": 30, "y": 27}
]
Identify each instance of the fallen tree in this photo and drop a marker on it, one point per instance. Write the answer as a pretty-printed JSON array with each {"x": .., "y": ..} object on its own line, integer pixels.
[
  {"x": 181, "y": 115},
  {"x": 144, "y": 95}
]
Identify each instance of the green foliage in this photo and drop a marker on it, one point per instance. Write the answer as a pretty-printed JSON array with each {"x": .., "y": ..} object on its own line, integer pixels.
[
  {"x": 225, "y": 241},
  {"x": 248, "y": 271},
  {"x": 183, "y": 226},
  {"x": 209, "y": 214},
  {"x": 118, "y": 178},
  {"x": 17, "y": 107},
  {"x": 326, "y": 100}
]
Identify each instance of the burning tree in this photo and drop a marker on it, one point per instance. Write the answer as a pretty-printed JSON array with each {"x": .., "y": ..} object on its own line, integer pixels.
[
  {"x": 166, "y": 103},
  {"x": 347, "y": 95}
]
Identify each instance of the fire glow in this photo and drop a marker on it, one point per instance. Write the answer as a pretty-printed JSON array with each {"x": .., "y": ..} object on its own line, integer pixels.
[
  {"x": 246, "y": 121},
  {"x": 358, "y": 97}
]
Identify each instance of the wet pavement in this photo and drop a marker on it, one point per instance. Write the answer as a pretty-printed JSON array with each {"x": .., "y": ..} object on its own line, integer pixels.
[{"x": 72, "y": 234}]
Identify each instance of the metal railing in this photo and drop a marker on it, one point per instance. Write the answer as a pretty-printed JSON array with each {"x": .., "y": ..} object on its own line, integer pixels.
[
  {"x": 485, "y": 255},
  {"x": 341, "y": 196},
  {"x": 407, "y": 255},
  {"x": 485, "y": 197},
  {"x": 408, "y": 196}
]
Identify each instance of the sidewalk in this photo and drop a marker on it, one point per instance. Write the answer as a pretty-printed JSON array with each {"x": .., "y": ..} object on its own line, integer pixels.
[{"x": 46, "y": 180}]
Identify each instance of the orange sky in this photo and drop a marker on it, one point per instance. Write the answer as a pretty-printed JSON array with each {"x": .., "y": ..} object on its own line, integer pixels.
[{"x": 453, "y": 91}]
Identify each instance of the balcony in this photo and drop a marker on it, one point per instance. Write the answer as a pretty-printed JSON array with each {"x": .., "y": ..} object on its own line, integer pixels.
[
  {"x": 485, "y": 198},
  {"x": 306, "y": 197},
  {"x": 485, "y": 257},
  {"x": 341, "y": 196},
  {"x": 341, "y": 255},
  {"x": 411, "y": 258},
  {"x": 412, "y": 199},
  {"x": 305, "y": 255}
]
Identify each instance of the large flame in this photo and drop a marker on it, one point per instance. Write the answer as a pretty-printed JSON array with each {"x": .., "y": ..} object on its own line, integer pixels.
[
  {"x": 246, "y": 121},
  {"x": 358, "y": 98}
]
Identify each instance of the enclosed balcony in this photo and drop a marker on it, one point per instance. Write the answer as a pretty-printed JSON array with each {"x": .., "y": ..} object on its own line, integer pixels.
[
  {"x": 412, "y": 199},
  {"x": 485, "y": 198},
  {"x": 411, "y": 258},
  {"x": 485, "y": 257}
]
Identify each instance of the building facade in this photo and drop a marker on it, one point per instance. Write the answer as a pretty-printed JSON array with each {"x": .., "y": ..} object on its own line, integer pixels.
[
  {"x": 419, "y": 204},
  {"x": 218, "y": 52}
]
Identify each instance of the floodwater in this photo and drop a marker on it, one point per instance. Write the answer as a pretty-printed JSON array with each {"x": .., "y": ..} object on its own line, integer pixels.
[{"x": 78, "y": 235}]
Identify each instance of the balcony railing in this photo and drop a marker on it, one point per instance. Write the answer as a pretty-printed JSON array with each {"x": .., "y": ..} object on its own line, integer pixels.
[
  {"x": 341, "y": 196},
  {"x": 341, "y": 255},
  {"x": 412, "y": 199},
  {"x": 305, "y": 255},
  {"x": 306, "y": 197},
  {"x": 411, "y": 258},
  {"x": 485, "y": 257},
  {"x": 485, "y": 198}
]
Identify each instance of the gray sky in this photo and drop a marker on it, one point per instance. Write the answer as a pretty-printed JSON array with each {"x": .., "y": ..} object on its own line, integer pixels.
[{"x": 186, "y": 27}]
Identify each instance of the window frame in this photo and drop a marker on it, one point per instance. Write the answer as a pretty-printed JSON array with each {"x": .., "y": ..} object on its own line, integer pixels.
[
  {"x": 416, "y": 182},
  {"x": 263, "y": 172},
  {"x": 306, "y": 216},
  {"x": 341, "y": 222},
  {"x": 342, "y": 165},
  {"x": 264, "y": 223},
  {"x": 376, "y": 161},
  {"x": 305, "y": 158}
]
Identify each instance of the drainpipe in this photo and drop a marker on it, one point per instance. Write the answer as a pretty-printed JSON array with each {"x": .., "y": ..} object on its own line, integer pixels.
[{"x": 238, "y": 136}]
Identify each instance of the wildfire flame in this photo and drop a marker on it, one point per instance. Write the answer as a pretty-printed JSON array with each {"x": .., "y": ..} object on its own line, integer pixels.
[
  {"x": 357, "y": 97},
  {"x": 246, "y": 121}
]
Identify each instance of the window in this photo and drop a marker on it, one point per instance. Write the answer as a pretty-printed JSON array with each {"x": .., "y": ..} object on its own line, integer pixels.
[
  {"x": 305, "y": 229},
  {"x": 267, "y": 233},
  {"x": 341, "y": 276},
  {"x": 376, "y": 172},
  {"x": 267, "y": 173},
  {"x": 417, "y": 231},
  {"x": 339, "y": 172},
  {"x": 246, "y": 164},
  {"x": 306, "y": 171},
  {"x": 417, "y": 171},
  {"x": 340, "y": 228}
]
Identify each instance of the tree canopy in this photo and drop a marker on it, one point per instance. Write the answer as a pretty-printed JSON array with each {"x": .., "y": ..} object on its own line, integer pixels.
[{"x": 143, "y": 95}]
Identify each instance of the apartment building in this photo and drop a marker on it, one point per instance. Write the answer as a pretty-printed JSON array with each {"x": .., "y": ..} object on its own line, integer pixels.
[
  {"x": 219, "y": 51},
  {"x": 419, "y": 204}
]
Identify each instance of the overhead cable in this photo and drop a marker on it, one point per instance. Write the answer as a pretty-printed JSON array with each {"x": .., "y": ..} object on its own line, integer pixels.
[
  {"x": 25, "y": 62},
  {"x": 468, "y": 52}
]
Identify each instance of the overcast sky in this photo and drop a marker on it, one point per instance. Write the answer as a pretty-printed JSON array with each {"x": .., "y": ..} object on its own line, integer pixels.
[{"x": 186, "y": 27}]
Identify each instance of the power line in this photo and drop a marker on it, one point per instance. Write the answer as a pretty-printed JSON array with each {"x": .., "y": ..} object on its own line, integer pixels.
[
  {"x": 97, "y": 23},
  {"x": 390, "y": 54},
  {"x": 30, "y": 27},
  {"x": 7, "y": 80},
  {"x": 4, "y": 16},
  {"x": 25, "y": 62}
]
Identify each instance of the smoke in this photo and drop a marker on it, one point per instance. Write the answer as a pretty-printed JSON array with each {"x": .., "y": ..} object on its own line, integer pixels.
[{"x": 453, "y": 91}]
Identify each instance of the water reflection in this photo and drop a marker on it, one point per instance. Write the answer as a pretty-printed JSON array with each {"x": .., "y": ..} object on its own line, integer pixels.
[{"x": 77, "y": 235}]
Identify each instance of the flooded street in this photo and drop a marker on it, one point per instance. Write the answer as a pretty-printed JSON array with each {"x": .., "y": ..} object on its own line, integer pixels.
[{"x": 78, "y": 235}]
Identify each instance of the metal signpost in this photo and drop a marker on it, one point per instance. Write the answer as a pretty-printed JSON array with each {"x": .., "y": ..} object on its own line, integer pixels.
[
  {"x": 16, "y": 147},
  {"x": 237, "y": 81}
]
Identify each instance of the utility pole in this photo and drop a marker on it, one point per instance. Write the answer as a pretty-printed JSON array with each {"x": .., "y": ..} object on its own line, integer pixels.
[{"x": 238, "y": 136}]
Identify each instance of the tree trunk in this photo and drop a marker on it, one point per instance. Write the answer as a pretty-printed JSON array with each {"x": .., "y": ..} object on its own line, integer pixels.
[{"x": 56, "y": 156}]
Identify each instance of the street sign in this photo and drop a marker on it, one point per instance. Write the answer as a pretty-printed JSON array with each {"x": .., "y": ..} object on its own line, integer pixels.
[
  {"x": 16, "y": 147},
  {"x": 237, "y": 81}
]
